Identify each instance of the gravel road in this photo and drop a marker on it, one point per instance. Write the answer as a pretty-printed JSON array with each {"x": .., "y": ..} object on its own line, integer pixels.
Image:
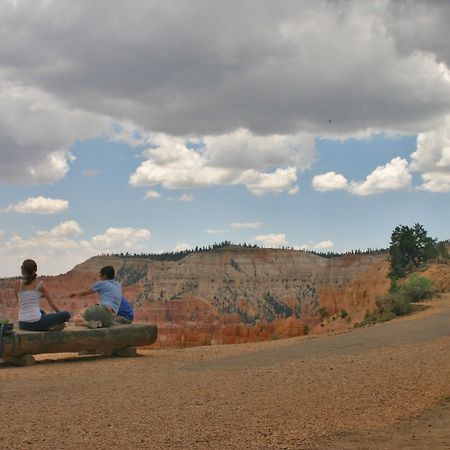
[{"x": 385, "y": 386}]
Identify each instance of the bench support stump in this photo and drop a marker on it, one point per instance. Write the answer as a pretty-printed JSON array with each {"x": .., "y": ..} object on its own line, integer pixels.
[
  {"x": 22, "y": 361},
  {"x": 129, "y": 352}
]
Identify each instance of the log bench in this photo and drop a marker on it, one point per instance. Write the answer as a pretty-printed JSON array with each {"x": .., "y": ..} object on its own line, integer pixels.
[{"x": 118, "y": 340}]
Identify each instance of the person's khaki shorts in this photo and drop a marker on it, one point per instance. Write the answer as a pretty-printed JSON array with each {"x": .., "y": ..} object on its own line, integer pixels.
[{"x": 99, "y": 312}]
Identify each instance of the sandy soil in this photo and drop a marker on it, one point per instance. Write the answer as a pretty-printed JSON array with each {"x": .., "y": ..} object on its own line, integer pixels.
[{"x": 385, "y": 386}]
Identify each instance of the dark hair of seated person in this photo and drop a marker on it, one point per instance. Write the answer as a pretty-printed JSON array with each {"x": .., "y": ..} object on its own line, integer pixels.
[{"x": 108, "y": 272}]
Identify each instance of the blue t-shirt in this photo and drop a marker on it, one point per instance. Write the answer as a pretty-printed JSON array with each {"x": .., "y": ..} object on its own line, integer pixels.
[
  {"x": 110, "y": 293},
  {"x": 125, "y": 310}
]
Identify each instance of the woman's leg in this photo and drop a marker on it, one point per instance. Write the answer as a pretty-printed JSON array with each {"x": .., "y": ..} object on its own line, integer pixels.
[
  {"x": 46, "y": 321},
  {"x": 30, "y": 326},
  {"x": 52, "y": 319}
]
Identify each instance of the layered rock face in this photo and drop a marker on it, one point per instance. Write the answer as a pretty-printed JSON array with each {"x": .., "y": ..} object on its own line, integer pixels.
[{"x": 233, "y": 294}]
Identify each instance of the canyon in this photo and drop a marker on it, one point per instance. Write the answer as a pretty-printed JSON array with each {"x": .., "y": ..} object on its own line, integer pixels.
[{"x": 235, "y": 294}]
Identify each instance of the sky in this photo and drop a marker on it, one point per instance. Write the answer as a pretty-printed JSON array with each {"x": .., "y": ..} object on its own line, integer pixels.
[{"x": 149, "y": 126}]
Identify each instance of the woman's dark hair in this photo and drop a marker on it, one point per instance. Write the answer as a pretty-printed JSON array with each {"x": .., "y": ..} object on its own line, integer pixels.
[
  {"x": 108, "y": 272},
  {"x": 29, "y": 269}
]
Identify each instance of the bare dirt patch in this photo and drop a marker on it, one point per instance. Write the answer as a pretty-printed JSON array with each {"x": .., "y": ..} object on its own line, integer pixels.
[{"x": 351, "y": 390}]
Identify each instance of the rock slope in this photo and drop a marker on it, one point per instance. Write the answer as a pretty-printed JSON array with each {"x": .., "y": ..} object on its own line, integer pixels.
[{"x": 233, "y": 294}]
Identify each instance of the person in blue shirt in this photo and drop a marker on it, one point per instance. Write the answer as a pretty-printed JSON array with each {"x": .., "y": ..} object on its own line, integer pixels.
[
  {"x": 125, "y": 315},
  {"x": 110, "y": 291}
]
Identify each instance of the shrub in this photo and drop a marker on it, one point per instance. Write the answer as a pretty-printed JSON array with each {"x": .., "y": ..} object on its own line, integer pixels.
[
  {"x": 397, "y": 304},
  {"x": 418, "y": 288},
  {"x": 391, "y": 305},
  {"x": 322, "y": 313}
]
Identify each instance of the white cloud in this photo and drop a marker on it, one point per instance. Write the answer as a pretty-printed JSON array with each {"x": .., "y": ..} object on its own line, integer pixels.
[
  {"x": 181, "y": 247},
  {"x": 395, "y": 175},
  {"x": 432, "y": 158},
  {"x": 242, "y": 149},
  {"x": 216, "y": 231},
  {"x": 59, "y": 249},
  {"x": 151, "y": 195},
  {"x": 182, "y": 198},
  {"x": 40, "y": 205},
  {"x": 66, "y": 229},
  {"x": 251, "y": 225},
  {"x": 278, "y": 82},
  {"x": 173, "y": 164},
  {"x": 433, "y": 150},
  {"x": 329, "y": 181},
  {"x": 282, "y": 180},
  {"x": 185, "y": 198},
  {"x": 118, "y": 238},
  {"x": 272, "y": 240},
  {"x": 322, "y": 245},
  {"x": 436, "y": 182},
  {"x": 36, "y": 133}
]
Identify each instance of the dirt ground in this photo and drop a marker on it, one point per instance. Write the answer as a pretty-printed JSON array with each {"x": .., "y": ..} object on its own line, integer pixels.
[{"x": 380, "y": 387}]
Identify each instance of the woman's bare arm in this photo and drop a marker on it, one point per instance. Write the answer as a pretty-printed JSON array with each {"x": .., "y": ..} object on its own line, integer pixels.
[{"x": 48, "y": 297}]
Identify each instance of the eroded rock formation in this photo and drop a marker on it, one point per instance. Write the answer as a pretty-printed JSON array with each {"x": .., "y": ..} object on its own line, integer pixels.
[{"x": 232, "y": 294}]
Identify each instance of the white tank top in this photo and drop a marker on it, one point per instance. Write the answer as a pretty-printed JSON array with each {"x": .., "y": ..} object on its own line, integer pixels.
[{"x": 29, "y": 302}]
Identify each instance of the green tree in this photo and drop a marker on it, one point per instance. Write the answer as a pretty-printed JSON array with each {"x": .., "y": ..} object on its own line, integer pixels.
[{"x": 410, "y": 247}]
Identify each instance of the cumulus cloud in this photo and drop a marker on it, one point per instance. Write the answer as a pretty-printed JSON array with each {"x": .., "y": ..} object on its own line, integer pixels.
[
  {"x": 421, "y": 25},
  {"x": 395, "y": 175},
  {"x": 436, "y": 182},
  {"x": 174, "y": 163},
  {"x": 240, "y": 225},
  {"x": 181, "y": 247},
  {"x": 282, "y": 180},
  {"x": 432, "y": 158},
  {"x": 116, "y": 238},
  {"x": 36, "y": 133},
  {"x": 253, "y": 97},
  {"x": 289, "y": 70},
  {"x": 272, "y": 240},
  {"x": 60, "y": 248},
  {"x": 151, "y": 195},
  {"x": 322, "y": 245},
  {"x": 40, "y": 205},
  {"x": 67, "y": 229},
  {"x": 329, "y": 181}
]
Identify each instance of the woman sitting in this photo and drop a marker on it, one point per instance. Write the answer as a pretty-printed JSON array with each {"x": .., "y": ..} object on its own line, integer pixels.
[{"x": 29, "y": 290}]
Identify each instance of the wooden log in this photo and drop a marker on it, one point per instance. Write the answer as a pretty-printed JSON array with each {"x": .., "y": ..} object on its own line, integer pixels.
[{"x": 79, "y": 339}]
